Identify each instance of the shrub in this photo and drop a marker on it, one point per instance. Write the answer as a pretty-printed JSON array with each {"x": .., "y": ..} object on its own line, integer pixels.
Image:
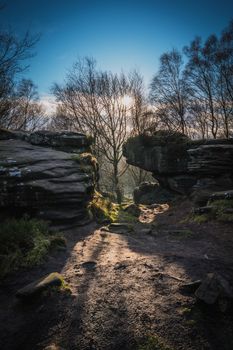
[
  {"x": 23, "y": 243},
  {"x": 223, "y": 209}
]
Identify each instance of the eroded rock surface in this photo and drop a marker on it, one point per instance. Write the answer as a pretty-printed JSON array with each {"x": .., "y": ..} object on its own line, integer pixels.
[
  {"x": 182, "y": 165},
  {"x": 39, "y": 178}
]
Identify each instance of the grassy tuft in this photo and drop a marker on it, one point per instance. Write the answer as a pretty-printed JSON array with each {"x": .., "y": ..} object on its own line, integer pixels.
[
  {"x": 153, "y": 343},
  {"x": 23, "y": 243},
  {"x": 220, "y": 208},
  {"x": 201, "y": 219}
]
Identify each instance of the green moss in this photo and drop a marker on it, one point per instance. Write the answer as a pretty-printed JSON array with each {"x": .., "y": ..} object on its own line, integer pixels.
[
  {"x": 103, "y": 209},
  {"x": 220, "y": 208},
  {"x": 85, "y": 159},
  {"x": 153, "y": 342},
  {"x": 63, "y": 288},
  {"x": 23, "y": 243},
  {"x": 200, "y": 219}
]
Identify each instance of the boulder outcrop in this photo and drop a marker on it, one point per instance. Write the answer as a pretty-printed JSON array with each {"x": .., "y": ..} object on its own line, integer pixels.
[
  {"x": 47, "y": 175},
  {"x": 181, "y": 165}
]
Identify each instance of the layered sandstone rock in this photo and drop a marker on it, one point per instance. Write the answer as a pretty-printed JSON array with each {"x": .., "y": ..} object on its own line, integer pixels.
[
  {"x": 47, "y": 175},
  {"x": 181, "y": 165}
]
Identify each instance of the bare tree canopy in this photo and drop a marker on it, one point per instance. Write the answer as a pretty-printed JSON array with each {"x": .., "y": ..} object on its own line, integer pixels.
[
  {"x": 95, "y": 102},
  {"x": 14, "y": 52}
]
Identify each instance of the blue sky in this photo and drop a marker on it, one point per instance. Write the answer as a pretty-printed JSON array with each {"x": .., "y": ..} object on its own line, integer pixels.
[{"x": 119, "y": 34}]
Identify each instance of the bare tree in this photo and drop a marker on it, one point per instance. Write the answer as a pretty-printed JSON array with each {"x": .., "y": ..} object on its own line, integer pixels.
[
  {"x": 28, "y": 113},
  {"x": 223, "y": 62},
  {"x": 13, "y": 53},
  {"x": 169, "y": 92},
  {"x": 95, "y": 103},
  {"x": 202, "y": 77}
]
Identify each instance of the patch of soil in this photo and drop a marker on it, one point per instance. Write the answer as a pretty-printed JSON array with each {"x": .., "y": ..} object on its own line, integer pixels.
[{"x": 124, "y": 288}]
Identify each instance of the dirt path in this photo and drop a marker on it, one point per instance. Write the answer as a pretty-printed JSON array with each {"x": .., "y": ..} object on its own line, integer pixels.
[{"x": 124, "y": 288}]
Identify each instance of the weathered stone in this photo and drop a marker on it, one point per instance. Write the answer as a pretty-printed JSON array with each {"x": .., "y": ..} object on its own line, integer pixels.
[
  {"x": 67, "y": 141},
  {"x": 43, "y": 181},
  {"x": 213, "y": 287},
  {"x": 52, "y": 280},
  {"x": 182, "y": 165}
]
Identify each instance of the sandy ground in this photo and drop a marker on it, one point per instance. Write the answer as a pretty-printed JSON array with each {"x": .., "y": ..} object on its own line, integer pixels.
[{"x": 124, "y": 288}]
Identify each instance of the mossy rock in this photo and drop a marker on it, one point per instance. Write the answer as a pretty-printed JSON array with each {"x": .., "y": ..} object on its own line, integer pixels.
[
  {"x": 85, "y": 159},
  {"x": 52, "y": 280},
  {"x": 103, "y": 209}
]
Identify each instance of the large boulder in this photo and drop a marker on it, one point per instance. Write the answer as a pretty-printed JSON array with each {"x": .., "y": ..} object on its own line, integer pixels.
[
  {"x": 47, "y": 175},
  {"x": 182, "y": 165}
]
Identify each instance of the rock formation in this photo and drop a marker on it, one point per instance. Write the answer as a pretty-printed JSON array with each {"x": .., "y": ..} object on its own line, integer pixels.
[
  {"x": 46, "y": 174},
  {"x": 181, "y": 165}
]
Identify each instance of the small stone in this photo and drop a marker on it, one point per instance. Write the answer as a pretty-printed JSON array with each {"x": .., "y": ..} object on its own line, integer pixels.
[
  {"x": 89, "y": 265},
  {"x": 120, "y": 266}
]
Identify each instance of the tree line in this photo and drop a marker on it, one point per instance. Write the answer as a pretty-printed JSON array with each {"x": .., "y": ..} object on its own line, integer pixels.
[
  {"x": 196, "y": 97},
  {"x": 191, "y": 93}
]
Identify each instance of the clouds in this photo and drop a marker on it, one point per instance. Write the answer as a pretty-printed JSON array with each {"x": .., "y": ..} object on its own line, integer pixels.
[{"x": 49, "y": 103}]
